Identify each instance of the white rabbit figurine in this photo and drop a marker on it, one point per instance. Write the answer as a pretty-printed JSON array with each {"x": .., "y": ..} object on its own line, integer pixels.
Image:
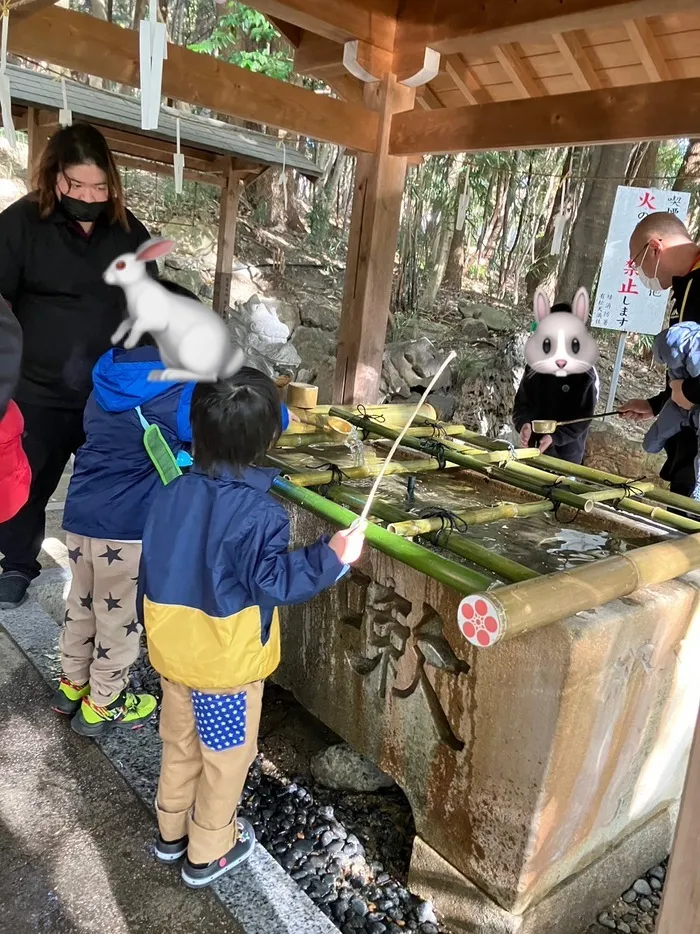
[{"x": 193, "y": 341}]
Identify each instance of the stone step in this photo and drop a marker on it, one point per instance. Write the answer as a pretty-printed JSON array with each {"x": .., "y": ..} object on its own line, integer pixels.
[{"x": 260, "y": 896}]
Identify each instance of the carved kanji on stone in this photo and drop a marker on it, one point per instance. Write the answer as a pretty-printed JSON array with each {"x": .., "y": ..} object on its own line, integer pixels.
[{"x": 403, "y": 642}]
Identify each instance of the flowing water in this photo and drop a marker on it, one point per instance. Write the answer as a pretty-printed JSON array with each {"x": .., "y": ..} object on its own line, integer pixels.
[{"x": 540, "y": 542}]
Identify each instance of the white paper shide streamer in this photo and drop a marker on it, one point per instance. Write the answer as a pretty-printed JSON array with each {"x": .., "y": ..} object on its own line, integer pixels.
[
  {"x": 152, "y": 52},
  {"x": 178, "y": 160},
  {"x": 65, "y": 114},
  {"x": 5, "y": 94}
]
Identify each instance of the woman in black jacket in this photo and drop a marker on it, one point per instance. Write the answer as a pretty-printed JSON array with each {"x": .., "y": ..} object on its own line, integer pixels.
[{"x": 55, "y": 245}]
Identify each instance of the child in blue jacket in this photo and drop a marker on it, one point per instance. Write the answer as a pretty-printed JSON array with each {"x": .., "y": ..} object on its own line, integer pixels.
[
  {"x": 114, "y": 481},
  {"x": 215, "y": 567}
]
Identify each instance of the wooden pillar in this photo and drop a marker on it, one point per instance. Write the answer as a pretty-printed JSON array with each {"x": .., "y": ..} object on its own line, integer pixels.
[
  {"x": 374, "y": 229},
  {"x": 680, "y": 910},
  {"x": 40, "y": 125},
  {"x": 228, "y": 217}
]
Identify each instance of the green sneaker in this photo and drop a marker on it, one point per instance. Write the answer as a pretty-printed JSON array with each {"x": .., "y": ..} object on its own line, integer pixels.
[
  {"x": 129, "y": 711},
  {"x": 68, "y": 696}
]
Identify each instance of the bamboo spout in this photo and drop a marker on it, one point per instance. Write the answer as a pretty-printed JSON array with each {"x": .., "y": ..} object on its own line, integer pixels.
[
  {"x": 487, "y": 618},
  {"x": 476, "y": 516}
]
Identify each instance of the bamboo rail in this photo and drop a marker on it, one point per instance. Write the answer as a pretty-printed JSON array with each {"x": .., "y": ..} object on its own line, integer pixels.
[
  {"x": 462, "y": 579},
  {"x": 488, "y": 618},
  {"x": 542, "y": 483},
  {"x": 315, "y": 478},
  {"x": 478, "y": 516}
]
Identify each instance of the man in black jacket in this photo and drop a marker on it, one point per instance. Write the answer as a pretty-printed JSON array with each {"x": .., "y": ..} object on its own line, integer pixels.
[
  {"x": 666, "y": 257},
  {"x": 55, "y": 245}
]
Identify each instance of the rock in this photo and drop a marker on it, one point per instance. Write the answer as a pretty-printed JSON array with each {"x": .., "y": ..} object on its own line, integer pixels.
[
  {"x": 343, "y": 769},
  {"x": 287, "y": 312},
  {"x": 473, "y": 330},
  {"x": 428, "y": 929},
  {"x": 426, "y": 914},
  {"x": 658, "y": 872},
  {"x": 655, "y": 884},
  {"x": 314, "y": 314},
  {"x": 254, "y": 325},
  {"x": 358, "y": 907},
  {"x": 630, "y": 896},
  {"x": 645, "y": 904},
  {"x": 494, "y": 318},
  {"x": 624, "y": 928},
  {"x": 490, "y": 375},
  {"x": 642, "y": 887},
  {"x": 606, "y": 921},
  {"x": 317, "y": 349}
]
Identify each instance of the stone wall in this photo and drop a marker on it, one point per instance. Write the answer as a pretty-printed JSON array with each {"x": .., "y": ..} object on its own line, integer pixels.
[{"x": 524, "y": 764}]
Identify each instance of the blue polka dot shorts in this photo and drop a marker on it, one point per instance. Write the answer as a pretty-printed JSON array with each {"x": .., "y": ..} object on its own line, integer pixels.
[{"x": 220, "y": 719}]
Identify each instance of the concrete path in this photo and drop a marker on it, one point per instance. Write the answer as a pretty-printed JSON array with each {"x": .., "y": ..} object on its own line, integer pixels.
[
  {"x": 75, "y": 840},
  {"x": 78, "y": 839}
]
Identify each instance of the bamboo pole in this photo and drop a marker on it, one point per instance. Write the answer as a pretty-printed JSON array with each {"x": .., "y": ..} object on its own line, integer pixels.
[
  {"x": 328, "y": 423},
  {"x": 488, "y": 618},
  {"x": 540, "y": 482},
  {"x": 463, "y": 580},
  {"x": 595, "y": 475},
  {"x": 451, "y": 541},
  {"x": 477, "y": 516},
  {"x": 395, "y": 415},
  {"x": 315, "y": 478},
  {"x": 304, "y": 440}
]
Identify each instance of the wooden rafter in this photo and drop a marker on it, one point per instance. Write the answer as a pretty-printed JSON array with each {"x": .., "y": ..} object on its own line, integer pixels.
[
  {"x": 668, "y": 110},
  {"x": 468, "y": 27},
  {"x": 647, "y": 48},
  {"x": 577, "y": 60},
  {"x": 525, "y": 83},
  {"x": 165, "y": 168},
  {"x": 427, "y": 98},
  {"x": 85, "y": 43},
  {"x": 465, "y": 80},
  {"x": 371, "y": 21}
]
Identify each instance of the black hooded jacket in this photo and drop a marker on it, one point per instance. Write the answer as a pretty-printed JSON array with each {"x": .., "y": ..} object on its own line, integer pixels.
[{"x": 682, "y": 448}]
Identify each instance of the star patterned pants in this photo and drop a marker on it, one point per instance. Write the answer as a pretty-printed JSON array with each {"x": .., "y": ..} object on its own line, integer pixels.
[
  {"x": 209, "y": 743},
  {"x": 100, "y": 636}
]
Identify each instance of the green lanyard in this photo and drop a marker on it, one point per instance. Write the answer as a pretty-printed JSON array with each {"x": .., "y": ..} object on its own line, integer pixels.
[{"x": 159, "y": 450}]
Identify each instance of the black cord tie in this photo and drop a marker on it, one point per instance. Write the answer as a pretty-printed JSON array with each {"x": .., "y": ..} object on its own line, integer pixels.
[
  {"x": 434, "y": 449},
  {"x": 337, "y": 477},
  {"x": 449, "y": 521},
  {"x": 363, "y": 413}
]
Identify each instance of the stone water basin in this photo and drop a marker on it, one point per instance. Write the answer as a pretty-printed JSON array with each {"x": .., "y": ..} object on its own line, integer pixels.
[{"x": 544, "y": 772}]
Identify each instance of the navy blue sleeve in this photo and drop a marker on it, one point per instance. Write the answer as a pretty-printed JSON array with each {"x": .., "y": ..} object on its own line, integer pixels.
[
  {"x": 522, "y": 407},
  {"x": 183, "y": 427},
  {"x": 277, "y": 576}
]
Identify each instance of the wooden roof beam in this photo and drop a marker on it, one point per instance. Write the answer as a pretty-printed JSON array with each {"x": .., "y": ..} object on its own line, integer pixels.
[
  {"x": 667, "y": 110},
  {"x": 465, "y": 80},
  {"x": 524, "y": 82},
  {"x": 449, "y": 26},
  {"x": 647, "y": 48},
  {"x": 163, "y": 168},
  {"x": 87, "y": 44},
  {"x": 23, "y": 9},
  {"x": 372, "y": 21},
  {"x": 577, "y": 60}
]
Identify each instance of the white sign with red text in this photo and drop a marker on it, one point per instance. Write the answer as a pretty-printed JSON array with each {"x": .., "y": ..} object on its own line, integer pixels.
[{"x": 622, "y": 303}]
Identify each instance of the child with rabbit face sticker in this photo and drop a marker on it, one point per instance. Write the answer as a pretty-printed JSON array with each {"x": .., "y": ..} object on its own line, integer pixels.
[
  {"x": 560, "y": 380},
  {"x": 561, "y": 344}
]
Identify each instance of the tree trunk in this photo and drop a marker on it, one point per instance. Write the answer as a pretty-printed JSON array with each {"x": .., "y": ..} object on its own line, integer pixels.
[
  {"x": 444, "y": 234},
  {"x": 267, "y": 199},
  {"x": 588, "y": 233},
  {"x": 455, "y": 260},
  {"x": 645, "y": 176},
  {"x": 544, "y": 263},
  {"x": 689, "y": 173}
]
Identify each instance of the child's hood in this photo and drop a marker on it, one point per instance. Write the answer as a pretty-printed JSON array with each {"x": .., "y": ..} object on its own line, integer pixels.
[
  {"x": 120, "y": 378},
  {"x": 678, "y": 345}
]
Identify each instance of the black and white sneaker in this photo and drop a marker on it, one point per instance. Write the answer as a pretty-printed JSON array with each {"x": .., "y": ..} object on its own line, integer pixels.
[
  {"x": 170, "y": 852},
  {"x": 197, "y": 877}
]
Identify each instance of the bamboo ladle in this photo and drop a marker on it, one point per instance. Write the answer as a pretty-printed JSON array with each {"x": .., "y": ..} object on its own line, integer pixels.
[{"x": 547, "y": 426}]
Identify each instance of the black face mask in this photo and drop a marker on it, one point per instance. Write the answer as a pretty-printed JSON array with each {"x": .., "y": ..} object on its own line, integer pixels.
[{"x": 86, "y": 212}]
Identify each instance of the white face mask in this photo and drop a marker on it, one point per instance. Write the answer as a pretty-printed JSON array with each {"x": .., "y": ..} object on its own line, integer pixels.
[{"x": 650, "y": 282}]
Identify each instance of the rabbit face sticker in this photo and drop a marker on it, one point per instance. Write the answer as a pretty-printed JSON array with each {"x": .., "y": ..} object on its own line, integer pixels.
[{"x": 561, "y": 345}]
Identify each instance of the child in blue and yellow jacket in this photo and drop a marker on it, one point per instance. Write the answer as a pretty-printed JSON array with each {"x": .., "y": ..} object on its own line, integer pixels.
[{"x": 215, "y": 567}]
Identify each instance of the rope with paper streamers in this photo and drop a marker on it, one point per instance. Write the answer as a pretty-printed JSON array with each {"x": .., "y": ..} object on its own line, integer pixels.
[
  {"x": 362, "y": 520},
  {"x": 5, "y": 93}
]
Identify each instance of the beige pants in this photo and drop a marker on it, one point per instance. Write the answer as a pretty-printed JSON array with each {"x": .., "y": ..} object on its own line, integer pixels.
[
  {"x": 100, "y": 638},
  {"x": 199, "y": 787}
]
